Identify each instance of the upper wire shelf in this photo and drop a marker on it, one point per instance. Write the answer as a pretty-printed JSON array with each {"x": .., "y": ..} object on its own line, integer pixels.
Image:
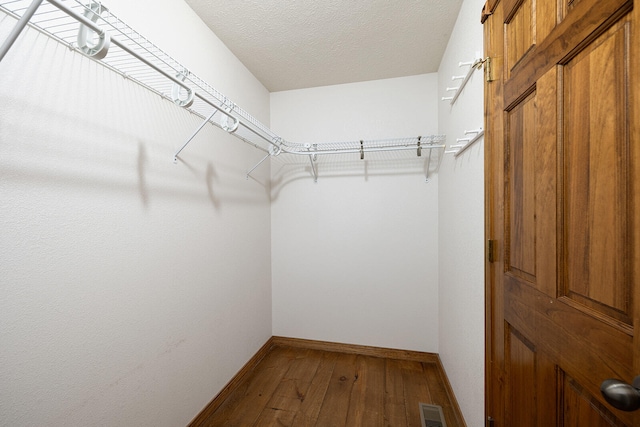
[{"x": 95, "y": 31}]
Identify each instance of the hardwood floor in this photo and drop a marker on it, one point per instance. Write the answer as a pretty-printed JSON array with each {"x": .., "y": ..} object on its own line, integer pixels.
[{"x": 296, "y": 386}]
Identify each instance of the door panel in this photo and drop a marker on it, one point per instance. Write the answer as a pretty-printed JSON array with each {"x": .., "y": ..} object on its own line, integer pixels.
[
  {"x": 520, "y": 32},
  {"x": 582, "y": 23},
  {"x": 596, "y": 160},
  {"x": 546, "y": 191},
  {"x": 520, "y": 210},
  {"x": 562, "y": 201},
  {"x": 547, "y": 17},
  {"x": 521, "y": 372},
  {"x": 579, "y": 408},
  {"x": 531, "y": 378}
]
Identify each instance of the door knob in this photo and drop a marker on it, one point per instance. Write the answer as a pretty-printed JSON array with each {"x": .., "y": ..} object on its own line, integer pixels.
[{"x": 621, "y": 395}]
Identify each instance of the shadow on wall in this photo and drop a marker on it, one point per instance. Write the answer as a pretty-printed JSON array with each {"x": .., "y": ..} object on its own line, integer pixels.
[
  {"x": 217, "y": 194},
  {"x": 288, "y": 169},
  {"x": 70, "y": 152},
  {"x": 142, "y": 182},
  {"x": 112, "y": 137},
  {"x": 47, "y": 159}
]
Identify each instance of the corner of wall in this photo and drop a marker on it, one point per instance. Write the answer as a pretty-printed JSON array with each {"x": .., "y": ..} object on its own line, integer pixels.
[{"x": 461, "y": 220}]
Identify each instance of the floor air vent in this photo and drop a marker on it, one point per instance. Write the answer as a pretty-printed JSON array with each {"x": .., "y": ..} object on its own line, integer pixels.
[{"x": 431, "y": 416}]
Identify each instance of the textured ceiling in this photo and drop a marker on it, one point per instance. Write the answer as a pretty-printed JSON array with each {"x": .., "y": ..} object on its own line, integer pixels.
[{"x": 293, "y": 44}]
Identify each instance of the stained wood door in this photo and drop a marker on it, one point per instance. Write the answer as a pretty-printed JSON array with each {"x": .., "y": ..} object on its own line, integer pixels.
[{"x": 563, "y": 207}]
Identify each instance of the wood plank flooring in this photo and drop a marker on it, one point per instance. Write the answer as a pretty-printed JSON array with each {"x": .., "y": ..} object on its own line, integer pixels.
[{"x": 304, "y": 387}]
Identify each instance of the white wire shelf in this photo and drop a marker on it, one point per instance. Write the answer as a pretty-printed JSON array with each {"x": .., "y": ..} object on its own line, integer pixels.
[{"x": 94, "y": 31}]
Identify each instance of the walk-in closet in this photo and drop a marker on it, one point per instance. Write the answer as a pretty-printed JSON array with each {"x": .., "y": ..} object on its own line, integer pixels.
[{"x": 186, "y": 208}]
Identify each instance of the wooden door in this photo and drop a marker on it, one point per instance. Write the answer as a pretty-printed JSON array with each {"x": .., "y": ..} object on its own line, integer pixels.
[{"x": 563, "y": 207}]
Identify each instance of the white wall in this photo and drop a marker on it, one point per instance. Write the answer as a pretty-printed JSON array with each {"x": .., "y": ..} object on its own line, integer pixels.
[
  {"x": 461, "y": 213},
  {"x": 131, "y": 289},
  {"x": 355, "y": 255}
]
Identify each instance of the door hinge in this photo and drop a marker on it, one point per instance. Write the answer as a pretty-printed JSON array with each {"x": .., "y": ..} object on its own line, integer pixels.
[
  {"x": 490, "y": 422},
  {"x": 488, "y": 69},
  {"x": 492, "y": 247}
]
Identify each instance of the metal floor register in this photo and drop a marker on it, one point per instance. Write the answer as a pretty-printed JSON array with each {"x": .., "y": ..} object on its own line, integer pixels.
[{"x": 431, "y": 416}]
